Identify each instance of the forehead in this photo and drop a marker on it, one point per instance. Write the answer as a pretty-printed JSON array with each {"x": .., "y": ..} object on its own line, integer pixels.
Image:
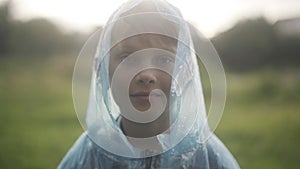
[
  {"x": 139, "y": 42},
  {"x": 144, "y": 31}
]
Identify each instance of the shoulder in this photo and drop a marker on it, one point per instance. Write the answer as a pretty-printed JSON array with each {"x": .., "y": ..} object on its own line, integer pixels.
[
  {"x": 219, "y": 156},
  {"x": 80, "y": 155}
]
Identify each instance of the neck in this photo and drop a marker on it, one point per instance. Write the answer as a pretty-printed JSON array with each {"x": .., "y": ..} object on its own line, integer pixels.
[{"x": 144, "y": 130}]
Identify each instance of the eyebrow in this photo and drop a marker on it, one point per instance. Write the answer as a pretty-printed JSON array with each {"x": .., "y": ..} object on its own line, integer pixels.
[
  {"x": 131, "y": 44},
  {"x": 120, "y": 49}
]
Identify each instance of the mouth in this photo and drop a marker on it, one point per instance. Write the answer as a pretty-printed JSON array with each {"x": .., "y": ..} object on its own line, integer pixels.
[{"x": 144, "y": 95}]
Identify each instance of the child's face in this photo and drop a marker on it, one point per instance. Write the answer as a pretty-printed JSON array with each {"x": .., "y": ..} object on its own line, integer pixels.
[{"x": 149, "y": 79}]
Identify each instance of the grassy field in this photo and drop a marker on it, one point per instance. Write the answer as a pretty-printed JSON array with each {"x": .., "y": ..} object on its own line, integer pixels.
[{"x": 38, "y": 123}]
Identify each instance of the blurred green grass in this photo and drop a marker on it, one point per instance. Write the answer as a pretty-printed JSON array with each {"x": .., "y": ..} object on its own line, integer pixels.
[
  {"x": 38, "y": 123},
  {"x": 260, "y": 124}
]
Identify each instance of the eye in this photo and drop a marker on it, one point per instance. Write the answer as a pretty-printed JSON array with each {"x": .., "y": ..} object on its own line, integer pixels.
[
  {"x": 123, "y": 56},
  {"x": 127, "y": 59},
  {"x": 166, "y": 59}
]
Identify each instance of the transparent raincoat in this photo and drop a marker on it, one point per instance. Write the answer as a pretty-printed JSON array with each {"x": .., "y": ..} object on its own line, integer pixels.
[{"x": 187, "y": 141}]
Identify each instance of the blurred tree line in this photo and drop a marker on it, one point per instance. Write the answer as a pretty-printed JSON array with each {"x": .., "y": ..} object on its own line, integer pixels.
[
  {"x": 254, "y": 44},
  {"x": 36, "y": 37},
  {"x": 249, "y": 45}
]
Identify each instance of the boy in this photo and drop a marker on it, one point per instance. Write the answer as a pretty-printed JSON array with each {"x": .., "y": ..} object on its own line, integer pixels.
[{"x": 146, "y": 108}]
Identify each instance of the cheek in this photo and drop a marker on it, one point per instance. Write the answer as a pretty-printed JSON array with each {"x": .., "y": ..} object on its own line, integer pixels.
[
  {"x": 169, "y": 82},
  {"x": 119, "y": 77},
  {"x": 111, "y": 72},
  {"x": 166, "y": 81},
  {"x": 112, "y": 68}
]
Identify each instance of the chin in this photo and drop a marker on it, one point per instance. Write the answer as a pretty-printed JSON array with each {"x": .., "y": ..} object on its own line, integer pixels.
[{"x": 142, "y": 108}]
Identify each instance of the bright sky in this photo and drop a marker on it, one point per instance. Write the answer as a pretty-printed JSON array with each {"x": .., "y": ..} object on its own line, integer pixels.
[{"x": 210, "y": 16}]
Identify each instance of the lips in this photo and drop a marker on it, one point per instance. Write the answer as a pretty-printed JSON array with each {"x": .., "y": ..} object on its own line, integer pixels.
[{"x": 143, "y": 95}]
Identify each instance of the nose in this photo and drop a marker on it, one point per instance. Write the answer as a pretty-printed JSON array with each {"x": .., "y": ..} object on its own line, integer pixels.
[{"x": 146, "y": 77}]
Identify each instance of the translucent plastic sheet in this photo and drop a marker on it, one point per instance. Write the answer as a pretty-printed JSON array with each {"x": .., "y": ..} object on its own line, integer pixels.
[{"x": 187, "y": 142}]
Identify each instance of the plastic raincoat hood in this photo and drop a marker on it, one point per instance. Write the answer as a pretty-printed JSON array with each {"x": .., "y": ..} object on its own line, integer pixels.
[{"x": 188, "y": 142}]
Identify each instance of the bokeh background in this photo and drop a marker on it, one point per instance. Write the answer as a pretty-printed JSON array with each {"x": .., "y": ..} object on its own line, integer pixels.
[{"x": 259, "y": 46}]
